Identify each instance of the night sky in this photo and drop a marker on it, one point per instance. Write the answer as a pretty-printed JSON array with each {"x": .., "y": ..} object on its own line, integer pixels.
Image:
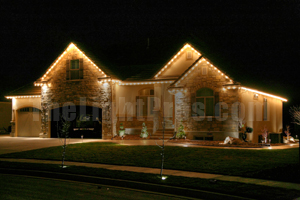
[{"x": 258, "y": 38}]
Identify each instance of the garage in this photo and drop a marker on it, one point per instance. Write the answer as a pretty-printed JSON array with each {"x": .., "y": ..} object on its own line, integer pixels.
[
  {"x": 28, "y": 122},
  {"x": 84, "y": 121}
]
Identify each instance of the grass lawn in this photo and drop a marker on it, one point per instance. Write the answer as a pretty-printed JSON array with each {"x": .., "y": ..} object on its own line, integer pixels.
[
  {"x": 263, "y": 163},
  {"x": 20, "y": 187},
  {"x": 238, "y": 189}
]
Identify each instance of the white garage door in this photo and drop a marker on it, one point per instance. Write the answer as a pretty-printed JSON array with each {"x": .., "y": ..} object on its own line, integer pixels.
[{"x": 29, "y": 122}]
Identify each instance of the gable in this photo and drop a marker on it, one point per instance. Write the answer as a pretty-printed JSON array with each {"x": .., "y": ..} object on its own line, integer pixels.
[
  {"x": 179, "y": 63},
  {"x": 201, "y": 68},
  {"x": 70, "y": 53}
]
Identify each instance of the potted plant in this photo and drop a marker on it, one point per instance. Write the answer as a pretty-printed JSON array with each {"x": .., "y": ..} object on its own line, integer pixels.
[
  {"x": 180, "y": 133},
  {"x": 122, "y": 130},
  {"x": 144, "y": 132}
]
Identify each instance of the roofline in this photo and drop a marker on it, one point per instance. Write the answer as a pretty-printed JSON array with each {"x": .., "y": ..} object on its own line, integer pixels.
[
  {"x": 53, "y": 64},
  {"x": 263, "y": 93},
  {"x": 22, "y": 96},
  {"x": 186, "y": 44}
]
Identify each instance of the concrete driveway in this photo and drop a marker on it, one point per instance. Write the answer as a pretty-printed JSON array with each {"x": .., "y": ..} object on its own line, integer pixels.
[{"x": 15, "y": 144}]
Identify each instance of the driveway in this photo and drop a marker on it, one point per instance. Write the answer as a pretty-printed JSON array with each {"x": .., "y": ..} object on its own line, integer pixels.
[{"x": 15, "y": 144}]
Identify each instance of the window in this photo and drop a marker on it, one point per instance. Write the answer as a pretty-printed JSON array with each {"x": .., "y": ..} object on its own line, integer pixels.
[
  {"x": 205, "y": 103},
  {"x": 74, "y": 69},
  {"x": 29, "y": 109},
  {"x": 189, "y": 55},
  {"x": 265, "y": 109},
  {"x": 145, "y": 102},
  {"x": 204, "y": 70}
]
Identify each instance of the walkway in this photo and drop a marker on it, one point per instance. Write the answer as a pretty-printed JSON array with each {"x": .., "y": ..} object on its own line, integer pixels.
[{"x": 166, "y": 172}]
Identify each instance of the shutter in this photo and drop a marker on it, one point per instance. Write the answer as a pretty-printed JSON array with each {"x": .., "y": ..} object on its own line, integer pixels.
[
  {"x": 193, "y": 105},
  {"x": 217, "y": 106},
  {"x": 80, "y": 68},
  {"x": 68, "y": 69}
]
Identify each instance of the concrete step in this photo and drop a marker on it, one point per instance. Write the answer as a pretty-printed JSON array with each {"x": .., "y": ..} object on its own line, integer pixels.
[
  {"x": 160, "y": 137},
  {"x": 159, "y": 134}
]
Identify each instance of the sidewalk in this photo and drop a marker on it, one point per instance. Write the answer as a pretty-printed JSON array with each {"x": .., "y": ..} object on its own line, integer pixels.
[{"x": 167, "y": 172}]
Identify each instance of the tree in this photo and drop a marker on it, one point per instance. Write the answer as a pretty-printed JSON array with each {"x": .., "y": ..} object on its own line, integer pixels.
[
  {"x": 265, "y": 133},
  {"x": 295, "y": 113},
  {"x": 64, "y": 132},
  {"x": 287, "y": 132}
]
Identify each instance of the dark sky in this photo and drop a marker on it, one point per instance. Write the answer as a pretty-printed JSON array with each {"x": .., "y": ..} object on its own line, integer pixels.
[{"x": 260, "y": 37}]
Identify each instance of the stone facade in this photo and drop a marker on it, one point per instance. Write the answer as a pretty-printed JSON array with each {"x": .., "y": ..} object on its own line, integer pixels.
[
  {"x": 174, "y": 87},
  {"x": 59, "y": 91},
  {"x": 211, "y": 126}
]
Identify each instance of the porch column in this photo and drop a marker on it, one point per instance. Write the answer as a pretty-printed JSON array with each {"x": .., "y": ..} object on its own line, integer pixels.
[
  {"x": 157, "y": 115},
  {"x": 13, "y": 119},
  {"x": 13, "y": 124}
]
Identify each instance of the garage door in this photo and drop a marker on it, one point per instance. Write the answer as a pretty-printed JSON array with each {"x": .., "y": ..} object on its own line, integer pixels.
[{"x": 29, "y": 122}]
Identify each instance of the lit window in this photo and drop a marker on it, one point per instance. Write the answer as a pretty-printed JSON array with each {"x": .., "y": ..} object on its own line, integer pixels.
[
  {"x": 265, "y": 109},
  {"x": 145, "y": 102},
  {"x": 205, "y": 103}
]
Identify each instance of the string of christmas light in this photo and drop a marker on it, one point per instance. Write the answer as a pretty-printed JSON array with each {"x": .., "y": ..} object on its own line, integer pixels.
[
  {"x": 19, "y": 97},
  {"x": 185, "y": 75},
  {"x": 174, "y": 57},
  {"x": 71, "y": 45}
]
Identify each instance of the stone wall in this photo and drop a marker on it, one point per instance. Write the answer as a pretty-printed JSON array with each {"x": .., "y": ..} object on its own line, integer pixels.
[
  {"x": 218, "y": 127},
  {"x": 61, "y": 92}
]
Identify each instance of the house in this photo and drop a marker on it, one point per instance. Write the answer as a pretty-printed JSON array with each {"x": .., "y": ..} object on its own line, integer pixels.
[
  {"x": 5, "y": 116},
  {"x": 97, "y": 96}
]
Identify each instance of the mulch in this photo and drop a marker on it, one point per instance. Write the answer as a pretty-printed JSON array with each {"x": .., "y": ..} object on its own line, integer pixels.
[
  {"x": 130, "y": 137},
  {"x": 238, "y": 143}
]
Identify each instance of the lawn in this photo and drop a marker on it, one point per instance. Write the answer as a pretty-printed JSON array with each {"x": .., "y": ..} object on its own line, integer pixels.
[
  {"x": 21, "y": 187},
  {"x": 10, "y": 185},
  {"x": 263, "y": 163}
]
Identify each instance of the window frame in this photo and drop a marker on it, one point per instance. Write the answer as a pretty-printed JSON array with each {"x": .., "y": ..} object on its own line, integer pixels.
[
  {"x": 265, "y": 104},
  {"x": 189, "y": 55},
  {"x": 150, "y": 98},
  {"x": 214, "y": 97},
  {"x": 70, "y": 71}
]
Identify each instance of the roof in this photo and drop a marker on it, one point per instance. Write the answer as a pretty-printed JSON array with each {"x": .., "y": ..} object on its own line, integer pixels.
[
  {"x": 141, "y": 60},
  {"x": 28, "y": 89}
]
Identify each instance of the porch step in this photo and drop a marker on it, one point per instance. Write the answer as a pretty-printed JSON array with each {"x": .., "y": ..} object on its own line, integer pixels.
[{"x": 159, "y": 134}]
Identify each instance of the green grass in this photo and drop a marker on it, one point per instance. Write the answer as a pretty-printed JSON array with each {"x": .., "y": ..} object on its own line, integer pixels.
[
  {"x": 265, "y": 163},
  {"x": 233, "y": 188},
  {"x": 20, "y": 187}
]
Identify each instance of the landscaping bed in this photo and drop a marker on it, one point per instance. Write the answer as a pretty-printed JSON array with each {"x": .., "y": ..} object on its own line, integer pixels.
[
  {"x": 130, "y": 137},
  {"x": 237, "y": 143}
]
